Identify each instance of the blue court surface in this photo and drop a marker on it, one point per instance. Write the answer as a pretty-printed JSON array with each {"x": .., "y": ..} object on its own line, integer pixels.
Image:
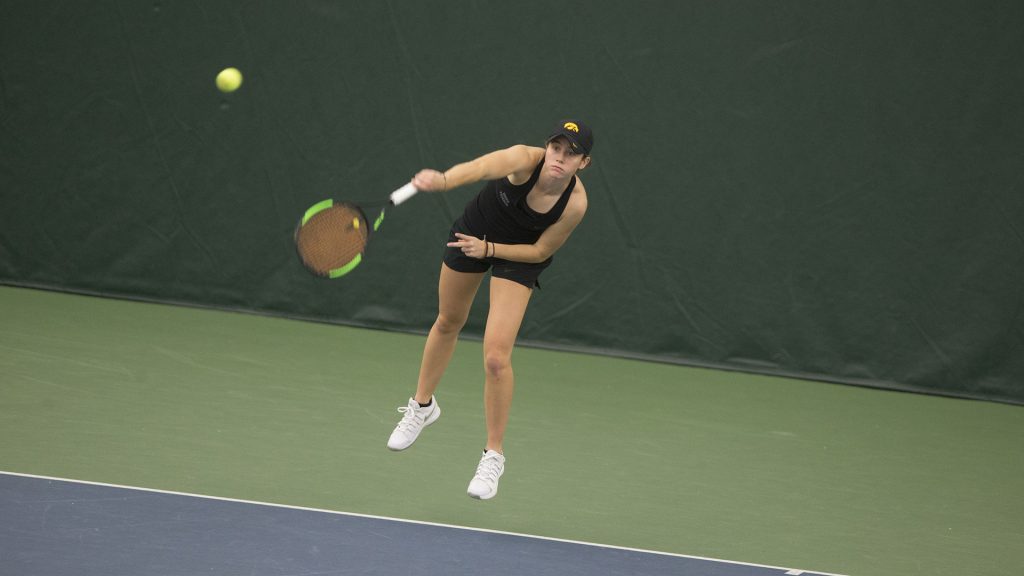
[{"x": 56, "y": 527}]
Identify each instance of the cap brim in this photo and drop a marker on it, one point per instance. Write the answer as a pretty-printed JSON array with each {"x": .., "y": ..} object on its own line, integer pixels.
[{"x": 571, "y": 137}]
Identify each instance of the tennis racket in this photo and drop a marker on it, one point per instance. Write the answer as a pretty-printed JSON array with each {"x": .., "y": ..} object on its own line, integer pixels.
[{"x": 332, "y": 236}]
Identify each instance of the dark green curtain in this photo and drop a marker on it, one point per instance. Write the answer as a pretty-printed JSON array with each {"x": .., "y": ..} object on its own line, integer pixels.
[{"x": 826, "y": 190}]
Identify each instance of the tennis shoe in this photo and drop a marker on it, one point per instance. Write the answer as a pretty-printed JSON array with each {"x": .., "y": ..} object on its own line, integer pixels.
[
  {"x": 484, "y": 484},
  {"x": 415, "y": 419}
]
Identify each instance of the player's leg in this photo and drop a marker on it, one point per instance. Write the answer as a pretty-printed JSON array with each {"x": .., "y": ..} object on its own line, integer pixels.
[
  {"x": 456, "y": 291},
  {"x": 508, "y": 306}
]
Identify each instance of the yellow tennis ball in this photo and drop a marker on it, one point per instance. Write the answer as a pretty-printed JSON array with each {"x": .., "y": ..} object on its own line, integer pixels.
[
  {"x": 355, "y": 223},
  {"x": 229, "y": 80}
]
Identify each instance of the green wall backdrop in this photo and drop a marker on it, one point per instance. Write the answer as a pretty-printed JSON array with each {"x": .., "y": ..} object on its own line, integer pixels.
[{"x": 830, "y": 190}]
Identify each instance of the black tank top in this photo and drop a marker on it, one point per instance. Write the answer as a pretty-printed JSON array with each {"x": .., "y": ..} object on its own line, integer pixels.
[{"x": 500, "y": 211}]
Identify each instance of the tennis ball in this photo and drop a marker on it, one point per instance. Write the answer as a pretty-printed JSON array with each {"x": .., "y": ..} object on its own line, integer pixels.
[
  {"x": 229, "y": 80},
  {"x": 355, "y": 223}
]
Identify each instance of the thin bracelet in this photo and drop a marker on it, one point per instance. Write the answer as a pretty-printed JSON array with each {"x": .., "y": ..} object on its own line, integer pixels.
[{"x": 492, "y": 249}]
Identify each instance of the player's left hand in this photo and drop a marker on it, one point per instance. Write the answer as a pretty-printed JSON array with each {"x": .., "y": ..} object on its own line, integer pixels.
[{"x": 470, "y": 245}]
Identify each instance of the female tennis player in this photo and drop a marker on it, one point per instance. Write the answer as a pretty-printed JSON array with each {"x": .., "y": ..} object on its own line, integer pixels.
[{"x": 530, "y": 205}]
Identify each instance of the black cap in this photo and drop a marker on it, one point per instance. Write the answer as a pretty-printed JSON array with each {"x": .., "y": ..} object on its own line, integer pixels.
[{"x": 581, "y": 139}]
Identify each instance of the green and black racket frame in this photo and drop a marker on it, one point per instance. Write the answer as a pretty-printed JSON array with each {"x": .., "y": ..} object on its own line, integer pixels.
[{"x": 332, "y": 236}]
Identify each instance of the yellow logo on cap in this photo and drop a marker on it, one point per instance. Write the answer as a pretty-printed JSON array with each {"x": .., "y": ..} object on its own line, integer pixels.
[{"x": 571, "y": 126}]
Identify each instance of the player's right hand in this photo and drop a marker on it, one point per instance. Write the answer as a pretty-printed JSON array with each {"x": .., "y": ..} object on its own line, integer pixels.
[{"x": 428, "y": 180}]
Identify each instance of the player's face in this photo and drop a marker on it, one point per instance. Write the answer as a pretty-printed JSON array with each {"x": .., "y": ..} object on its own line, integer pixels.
[{"x": 560, "y": 159}]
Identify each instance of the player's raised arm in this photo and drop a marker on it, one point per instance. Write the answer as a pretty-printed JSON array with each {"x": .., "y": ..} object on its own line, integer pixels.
[{"x": 516, "y": 159}]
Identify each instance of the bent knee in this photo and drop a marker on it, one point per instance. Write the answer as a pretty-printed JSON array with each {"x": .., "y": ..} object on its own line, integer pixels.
[
  {"x": 497, "y": 363},
  {"x": 449, "y": 324}
]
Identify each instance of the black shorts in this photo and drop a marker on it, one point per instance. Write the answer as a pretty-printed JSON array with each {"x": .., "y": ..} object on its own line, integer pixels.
[{"x": 524, "y": 273}]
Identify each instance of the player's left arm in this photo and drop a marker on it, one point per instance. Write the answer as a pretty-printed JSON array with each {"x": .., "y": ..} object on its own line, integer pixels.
[{"x": 553, "y": 238}]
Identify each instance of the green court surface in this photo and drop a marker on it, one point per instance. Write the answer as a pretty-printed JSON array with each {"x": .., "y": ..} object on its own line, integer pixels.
[{"x": 691, "y": 461}]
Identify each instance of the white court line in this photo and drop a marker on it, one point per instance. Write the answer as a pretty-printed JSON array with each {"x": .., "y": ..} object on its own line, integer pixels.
[{"x": 419, "y": 522}]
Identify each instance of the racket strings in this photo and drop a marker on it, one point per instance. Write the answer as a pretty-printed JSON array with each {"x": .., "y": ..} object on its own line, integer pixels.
[{"x": 332, "y": 238}]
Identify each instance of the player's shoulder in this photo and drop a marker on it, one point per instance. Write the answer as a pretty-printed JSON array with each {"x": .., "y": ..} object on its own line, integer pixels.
[
  {"x": 530, "y": 153},
  {"x": 578, "y": 197},
  {"x": 579, "y": 189},
  {"x": 521, "y": 162}
]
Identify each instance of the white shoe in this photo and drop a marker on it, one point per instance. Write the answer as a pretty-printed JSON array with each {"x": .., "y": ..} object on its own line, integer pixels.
[
  {"x": 413, "y": 422},
  {"x": 484, "y": 484}
]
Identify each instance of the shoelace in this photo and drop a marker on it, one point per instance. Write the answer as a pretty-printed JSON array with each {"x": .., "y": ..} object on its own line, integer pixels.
[
  {"x": 488, "y": 468},
  {"x": 410, "y": 419}
]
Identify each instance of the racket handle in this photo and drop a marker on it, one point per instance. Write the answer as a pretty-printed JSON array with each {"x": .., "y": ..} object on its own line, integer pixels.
[{"x": 403, "y": 194}]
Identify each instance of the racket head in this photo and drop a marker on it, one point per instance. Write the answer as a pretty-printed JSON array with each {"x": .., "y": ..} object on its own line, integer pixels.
[{"x": 331, "y": 238}]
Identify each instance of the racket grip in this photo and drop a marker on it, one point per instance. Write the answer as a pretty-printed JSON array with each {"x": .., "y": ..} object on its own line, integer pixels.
[{"x": 403, "y": 194}]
